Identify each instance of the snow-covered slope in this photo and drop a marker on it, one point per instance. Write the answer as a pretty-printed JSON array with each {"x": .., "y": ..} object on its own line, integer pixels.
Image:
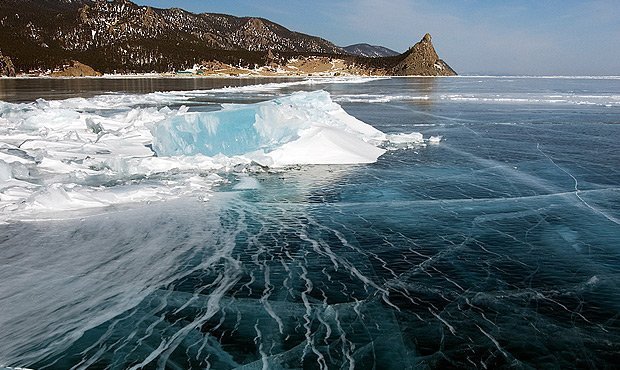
[
  {"x": 120, "y": 34},
  {"x": 371, "y": 51}
]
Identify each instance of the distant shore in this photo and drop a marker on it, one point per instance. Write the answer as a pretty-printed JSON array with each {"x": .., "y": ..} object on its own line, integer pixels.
[
  {"x": 175, "y": 75},
  {"x": 295, "y": 67}
]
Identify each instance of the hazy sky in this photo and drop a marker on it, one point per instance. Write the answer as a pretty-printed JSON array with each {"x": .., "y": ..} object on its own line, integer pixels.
[{"x": 535, "y": 37}]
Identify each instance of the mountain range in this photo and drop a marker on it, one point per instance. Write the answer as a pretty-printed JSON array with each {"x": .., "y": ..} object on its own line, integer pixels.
[
  {"x": 121, "y": 36},
  {"x": 370, "y": 51}
]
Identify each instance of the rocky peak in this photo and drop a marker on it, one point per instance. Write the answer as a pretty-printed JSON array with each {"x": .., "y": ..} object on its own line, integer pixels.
[
  {"x": 255, "y": 22},
  {"x": 256, "y": 27},
  {"x": 422, "y": 60},
  {"x": 424, "y": 50},
  {"x": 6, "y": 66}
]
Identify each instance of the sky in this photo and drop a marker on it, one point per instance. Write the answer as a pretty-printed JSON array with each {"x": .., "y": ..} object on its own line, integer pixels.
[{"x": 527, "y": 37}]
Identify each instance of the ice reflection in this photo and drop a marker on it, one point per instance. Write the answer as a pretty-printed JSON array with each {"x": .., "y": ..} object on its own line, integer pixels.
[
  {"x": 30, "y": 89},
  {"x": 423, "y": 87}
]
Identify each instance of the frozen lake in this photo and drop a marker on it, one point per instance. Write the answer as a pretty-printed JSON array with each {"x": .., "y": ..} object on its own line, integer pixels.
[{"x": 469, "y": 222}]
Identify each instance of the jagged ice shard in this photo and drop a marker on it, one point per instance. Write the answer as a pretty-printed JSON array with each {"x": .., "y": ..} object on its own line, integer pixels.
[{"x": 303, "y": 128}]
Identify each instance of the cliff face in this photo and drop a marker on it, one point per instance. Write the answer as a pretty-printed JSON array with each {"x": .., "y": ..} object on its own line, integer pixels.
[
  {"x": 6, "y": 66},
  {"x": 422, "y": 60}
]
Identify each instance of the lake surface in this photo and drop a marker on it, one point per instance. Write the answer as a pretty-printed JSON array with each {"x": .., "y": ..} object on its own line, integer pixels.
[{"x": 496, "y": 247}]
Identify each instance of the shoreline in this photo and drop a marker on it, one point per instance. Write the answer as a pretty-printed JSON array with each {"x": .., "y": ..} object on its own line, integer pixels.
[{"x": 308, "y": 76}]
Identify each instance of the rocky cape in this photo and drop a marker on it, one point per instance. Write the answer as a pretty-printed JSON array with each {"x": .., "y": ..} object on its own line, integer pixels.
[
  {"x": 119, "y": 36},
  {"x": 422, "y": 60}
]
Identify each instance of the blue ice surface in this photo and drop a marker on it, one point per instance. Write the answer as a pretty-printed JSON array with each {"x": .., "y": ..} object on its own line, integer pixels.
[
  {"x": 228, "y": 132},
  {"x": 497, "y": 248},
  {"x": 244, "y": 128}
]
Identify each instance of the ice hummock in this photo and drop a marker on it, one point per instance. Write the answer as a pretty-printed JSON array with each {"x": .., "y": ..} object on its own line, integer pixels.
[
  {"x": 302, "y": 128},
  {"x": 63, "y": 156}
]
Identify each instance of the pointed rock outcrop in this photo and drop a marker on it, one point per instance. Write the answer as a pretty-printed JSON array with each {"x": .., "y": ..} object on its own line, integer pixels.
[
  {"x": 422, "y": 60},
  {"x": 6, "y": 66}
]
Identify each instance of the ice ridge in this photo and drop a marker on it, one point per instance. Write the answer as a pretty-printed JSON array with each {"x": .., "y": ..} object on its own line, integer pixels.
[
  {"x": 302, "y": 128},
  {"x": 60, "y": 157}
]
